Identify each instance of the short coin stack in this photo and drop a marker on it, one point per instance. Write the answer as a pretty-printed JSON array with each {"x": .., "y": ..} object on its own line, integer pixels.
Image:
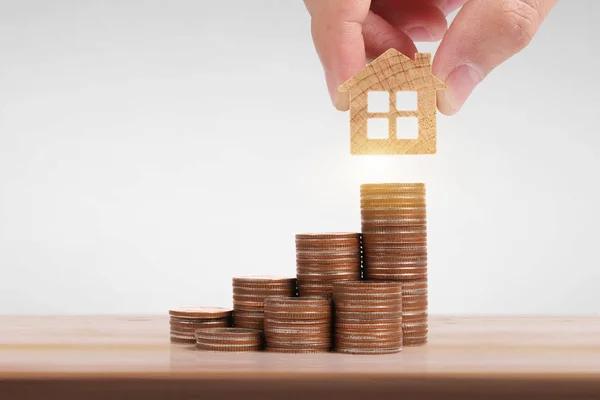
[
  {"x": 249, "y": 293},
  {"x": 394, "y": 232},
  {"x": 368, "y": 317},
  {"x": 298, "y": 324},
  {"x": 414, "y": 319},
  {"x": 325, "y": 258},
  {"x": 185, "y": 321},
  {"x": 228, "y": 339}
]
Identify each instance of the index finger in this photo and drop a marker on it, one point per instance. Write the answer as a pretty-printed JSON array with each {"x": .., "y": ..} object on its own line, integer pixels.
[{"x": 336, "y": 28}]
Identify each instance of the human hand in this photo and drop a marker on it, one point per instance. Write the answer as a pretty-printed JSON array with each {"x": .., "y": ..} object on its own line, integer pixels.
[{"x": 484, "y": 34}]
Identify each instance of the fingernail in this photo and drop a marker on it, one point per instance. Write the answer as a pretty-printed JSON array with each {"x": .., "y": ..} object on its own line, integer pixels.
[
  {"x": 420, "y": 34},
  {"x": 460, "y": 84}
]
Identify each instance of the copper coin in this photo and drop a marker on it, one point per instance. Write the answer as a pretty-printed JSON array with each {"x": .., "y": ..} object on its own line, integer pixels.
[
  {"x": 328, "y": 235},
  {"x": 262, "y": 279},
  {"x": 329, "y": 273},
  {"x": 183, "y": 341},
  {"x": 368, "y": 336},
  {"x": 368, "y": 351},
  {"x": 298, "y": 302},
  {"x": 200, "y": 312},
  {"x": 182, "y": 336},
  {"x": 409, "y": 342},
  {"x": 395, "y": 269},
  {"x": 188, "y": 327},
  {"x": 201, "y": 322},
  {"x": 405, "y": 232},
  {"x": 342, "y": 326},
  {"x": 307, "y": 315},
  {"x": 398, "y": 221},
  {"x": 235, "y": 333},
  {"x": 414, "y": 307},
  {"x": 294, "y": 326},
  {"x": 368, "y": 315},
  {"x": 387, "y": 276},
  {"x": 415, "y": 320},
  {"x": 354, "y": 286},
  {"x": 393, "y": 186},
  {"x": 386, "y": 214},
  {"x": 228, "y": 349},
  {"x": 320, "y": 277},
  {"x": 295, "y": 351}
]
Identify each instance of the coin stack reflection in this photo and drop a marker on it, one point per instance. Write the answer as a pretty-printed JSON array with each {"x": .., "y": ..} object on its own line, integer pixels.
[
  {"x": 249, "y": 293},
  {"x": 394, "y": 238},
  {"x": 185, "y": 321},
  {"x": 325, "y": 258},
  {"x": 298, "y": 324},
  {"x": 368, "y": 317},
  {"x": 229, "y": 339}
]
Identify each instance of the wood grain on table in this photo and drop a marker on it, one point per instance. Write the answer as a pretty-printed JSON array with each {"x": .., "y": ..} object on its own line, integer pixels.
[{"x": 467, "y": 357}]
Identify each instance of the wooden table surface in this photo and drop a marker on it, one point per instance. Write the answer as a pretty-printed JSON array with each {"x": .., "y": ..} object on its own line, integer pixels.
[{"x": 98, "y": 357}]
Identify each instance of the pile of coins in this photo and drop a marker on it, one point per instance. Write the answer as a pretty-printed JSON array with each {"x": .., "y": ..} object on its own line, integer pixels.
[
  {"x": 394, "y": 240},
  {"x": 368, "y": 317},
  {"x": 360, "y": 293},
  {"x": 229, "y": 339},
  {"x": 249, "y": 293},
  {"x": 298, "y": 324},
  {"x": 325, "y": 258},
  {"x": 185, "y": 321}
]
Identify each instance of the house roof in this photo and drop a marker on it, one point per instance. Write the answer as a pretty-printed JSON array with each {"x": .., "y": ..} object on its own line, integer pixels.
[{"x": 394, "y": 71}]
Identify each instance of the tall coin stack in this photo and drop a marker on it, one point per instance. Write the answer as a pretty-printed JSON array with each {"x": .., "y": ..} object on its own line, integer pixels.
[
  {"x": 394, "y": 239},
  {"x": 298, "y": 324},
  {"x": 325, "y": 258},
  {"x": 249, "y": 293},
  {"x": 185, "y": 321},
  {"x": 368, "y": 317}
]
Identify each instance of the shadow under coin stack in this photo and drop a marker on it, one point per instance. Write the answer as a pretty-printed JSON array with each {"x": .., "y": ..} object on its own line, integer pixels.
[
  {"x": 228, "y": 339},
  {"x": 298, "y": 324},
  {"x": 325, "y": 258},
  {"x": 249, "y": 293},
  {"x": 394, "y": 232},
  {"x": 368, "y": 317},
  {"x": 185, "y": 321}
]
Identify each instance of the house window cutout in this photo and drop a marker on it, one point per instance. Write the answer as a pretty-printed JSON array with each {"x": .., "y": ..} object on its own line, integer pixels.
[
  {"x": 378, "y": 128},
  {"x": 407, "y": 128},
  {"x": 406, "y": 101},
  {"x": 412, "y": 88},
  {"x": 378, "y": 102}
]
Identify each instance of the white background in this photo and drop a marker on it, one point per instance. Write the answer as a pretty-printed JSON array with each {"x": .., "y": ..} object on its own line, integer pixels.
[{"x": 149, "y": 151}]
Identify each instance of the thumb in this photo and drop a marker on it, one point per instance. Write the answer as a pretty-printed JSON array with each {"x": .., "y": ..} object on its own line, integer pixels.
[{"x": 484, "y": 34}]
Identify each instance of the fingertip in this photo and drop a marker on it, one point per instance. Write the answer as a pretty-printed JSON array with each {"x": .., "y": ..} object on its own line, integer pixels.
[{"x": 460, "y": 84}]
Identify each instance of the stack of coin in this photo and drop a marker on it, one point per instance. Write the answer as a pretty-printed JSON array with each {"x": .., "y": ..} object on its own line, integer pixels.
[
  {"x": 185, "y": 321},
  {"x": 325, "y": 258},
  {"x": 249, "y": 293},
  {"x": 414, "y": 312},
  {"x": 394, "y": 239},
  {"x": 298, "y": 324},
  {"x": 229, "y": 339},
  {"x": 368, "y": 317}
]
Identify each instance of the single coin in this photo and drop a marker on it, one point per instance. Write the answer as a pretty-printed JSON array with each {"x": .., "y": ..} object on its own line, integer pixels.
[
  {"x": 368, "y": 351},
  {"x": 198, "y": 322},
  {"x": 328, "y": 235},
  {"x": 387, "y": 276},
  {"x": 297, "y": 303},
  {"x": 228, "y": 349},
  {"x": 186, "y": 340},
  {"x": 296, "y": 350},
  {"x": 200, "y": 312},
  {"x": 409, "y": 342}
]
